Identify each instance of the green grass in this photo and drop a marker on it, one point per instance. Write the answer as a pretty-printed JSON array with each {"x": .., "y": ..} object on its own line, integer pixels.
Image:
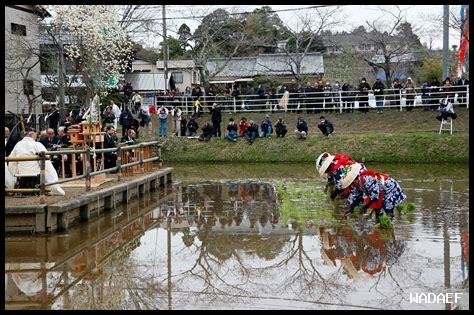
[
  {"x": 393, "y": 137},
  {"x": 368, "y": 147}
]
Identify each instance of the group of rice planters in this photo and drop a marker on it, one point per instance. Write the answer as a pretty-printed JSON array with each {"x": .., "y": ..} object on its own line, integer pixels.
[{"x": 367, "y": 191}]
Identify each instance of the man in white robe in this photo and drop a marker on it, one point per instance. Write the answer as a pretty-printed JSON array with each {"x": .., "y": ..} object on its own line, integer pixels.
[{"x": 28, "y": 146}]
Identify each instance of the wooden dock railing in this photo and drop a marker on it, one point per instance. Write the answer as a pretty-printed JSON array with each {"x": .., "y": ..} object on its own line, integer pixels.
[{"x": 131, "y": 159}]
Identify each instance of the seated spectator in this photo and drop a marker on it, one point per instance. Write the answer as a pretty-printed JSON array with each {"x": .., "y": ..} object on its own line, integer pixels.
[
  {"x": 325, "y": 126},
  {"x": 130, "y": 137},
  {"x": 446, "y": 109},
  {"x": 51, "y": 143},
  {"x": 110, "y": 141},
  {"x": 266, "y": 127},
  {"x": 192, "y": 126},
  {"x": 301, "y": 129},
  {"x": 29, "y": 147},
  {"x": 231, "y": 130},
  {"x": 243, "y": 124},
  {"x": 206, "y": 132},
  {"x": 280, "y": 128},
  {"x": 251, "y": 132}
]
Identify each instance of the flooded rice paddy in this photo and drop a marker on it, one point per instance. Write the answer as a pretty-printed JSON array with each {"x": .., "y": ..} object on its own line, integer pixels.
[{"x": 223, "y": 243}]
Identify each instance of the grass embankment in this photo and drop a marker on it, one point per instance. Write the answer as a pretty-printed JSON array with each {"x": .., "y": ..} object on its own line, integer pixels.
[{"x": 393, "y": 137}]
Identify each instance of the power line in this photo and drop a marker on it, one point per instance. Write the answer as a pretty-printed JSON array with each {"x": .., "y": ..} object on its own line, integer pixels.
[{"x": 192, "y": 17}]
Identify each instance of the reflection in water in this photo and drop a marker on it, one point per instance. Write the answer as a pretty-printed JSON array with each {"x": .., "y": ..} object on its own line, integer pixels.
[{"x": 223, "y": 245}]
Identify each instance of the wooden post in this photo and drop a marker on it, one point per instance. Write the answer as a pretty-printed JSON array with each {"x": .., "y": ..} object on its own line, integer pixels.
[
  {"x": 119, "y": 163},
  {"x": 62, "y": 166},
  {"x": 42, "y": 176},
  {"x": 140, "y": 152},
  {"x": 87, "y": 169},
  {"x": 73, "y": 164}
]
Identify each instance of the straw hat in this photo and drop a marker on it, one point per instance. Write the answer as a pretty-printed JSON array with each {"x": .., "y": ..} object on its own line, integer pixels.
[
  {"x": 327, "y": 161},
  {"x": 320, "y": 159},
  {"x": 350, "y": 173}
]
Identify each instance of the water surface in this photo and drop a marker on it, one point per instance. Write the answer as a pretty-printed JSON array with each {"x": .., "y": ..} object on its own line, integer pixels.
[{"x": 221, "y": 243}]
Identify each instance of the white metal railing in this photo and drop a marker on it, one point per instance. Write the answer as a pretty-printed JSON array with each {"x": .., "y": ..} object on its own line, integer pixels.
[{"x": 325, "y": 100}]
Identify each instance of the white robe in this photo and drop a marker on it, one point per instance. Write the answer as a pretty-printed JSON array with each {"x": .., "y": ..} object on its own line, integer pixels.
[{"x": 28, "y": 147}]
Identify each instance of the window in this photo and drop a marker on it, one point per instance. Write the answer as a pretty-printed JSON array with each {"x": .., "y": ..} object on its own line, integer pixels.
[
  {"x": 18, "y": 29},
  {"x": 177, "y": 76},
  {"x": 28, "y": 87}
]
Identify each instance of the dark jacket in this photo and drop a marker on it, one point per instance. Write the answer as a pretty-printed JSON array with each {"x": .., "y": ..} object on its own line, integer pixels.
[
  {"x": 50, "y": 143},
  {"x": 302, "y": 126},
  {"x": 192, "y": 125},
  {"x": 364, "y": 88},
  {"x": 378, "y": 88},
  {"x": 126, "y": 118},
  {"x": 232, "y": 127},
  {"x": 126, "y": 138},
  {"x": 207, "y": 130},
  {"x": 216, "y": 115},
  {"x": 280, "y": 126},
  {"x": 53, "y": 119},
  {"x": 110, "y": 141}
]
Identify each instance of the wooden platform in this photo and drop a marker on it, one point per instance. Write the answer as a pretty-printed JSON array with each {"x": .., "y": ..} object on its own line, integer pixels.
[{"x": 61, "y": 215}]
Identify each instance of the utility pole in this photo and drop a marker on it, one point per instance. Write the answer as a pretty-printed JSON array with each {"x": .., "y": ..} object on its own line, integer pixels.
[
  {"x": 445, "y": 41},
  {"x": 165, "y": 48}
]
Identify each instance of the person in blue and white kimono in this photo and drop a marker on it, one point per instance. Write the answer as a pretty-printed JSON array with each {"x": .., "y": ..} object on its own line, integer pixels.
[{"x": 374, "y": 190}]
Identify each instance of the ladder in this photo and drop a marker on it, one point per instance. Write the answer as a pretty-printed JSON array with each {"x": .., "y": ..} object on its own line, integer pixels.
[{"x": 446, "y": 125}]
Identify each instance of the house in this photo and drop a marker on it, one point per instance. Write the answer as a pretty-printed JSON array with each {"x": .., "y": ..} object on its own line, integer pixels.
[
  {"x": 355, "y": 41},
  {"x": 277, "y": 65},
  {"x": 22, "y": 80},
  {"x": 184, "y": 72}
]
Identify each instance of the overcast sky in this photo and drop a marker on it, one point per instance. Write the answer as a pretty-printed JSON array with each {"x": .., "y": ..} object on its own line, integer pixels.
[{"x": 422, "y": 17}]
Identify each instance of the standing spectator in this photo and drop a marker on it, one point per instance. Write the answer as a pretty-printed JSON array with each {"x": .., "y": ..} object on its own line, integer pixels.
[
  {"x": 301, "y": 128},
  {"x": 163, "y": 117},
  {"x": 325, "y": 126},
  {"x": 335, "y": 94},
  {"x": 435, "y": 94},
  {"x": 318, "y": 97},
  {"x": 7, "y": 135},
  {"x": 397, "y": 86},
  {"x": 251, "y": 132},
  {"x": 410, "y": 93},
  {"x": 462, "y": 90},
  {"x": 448, "y": 90},
  {"x": 262, "y": 95},
  {"x": 231, "y": 130},
  {"x": 266, "y": 127},
  {"x": 198, "y": 107},
  {"x": 328, "y": 104},
  {"x": 116, "y": 111},
  {"x": 216, "y": 117},
  {"x": 425, "y": 94},
  {"x": 192, "y": 126},
  {"x": 184, "y": 124},
  {"x": 126, "y": 120},
  {"x": 348, "y": 96},
  {"x": 178, "y": 116},
  {"x": 272, "y": 98},
  {"x": 128, "y": 91},
  {"x": 145, "y": 119},
  {"x": 280, "y": 128},
  {"x": 206, "y": 132},
  {"x": 378, "y": 88},
  {"x": 136, "y": 101},
  {"x": 78, "y": 114},
  {"x": 243, "y": 125},
  {"x": 109, "y": 116},
  {"x": 187, "y": 95},
  {"x": 364, "y": 88},
  {"x": 53, "y": 118},
  {"x": 110, "y": 141}
]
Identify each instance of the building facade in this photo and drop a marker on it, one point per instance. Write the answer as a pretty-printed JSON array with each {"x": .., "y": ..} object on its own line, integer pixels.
[{"x": 22, "y": 78}]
